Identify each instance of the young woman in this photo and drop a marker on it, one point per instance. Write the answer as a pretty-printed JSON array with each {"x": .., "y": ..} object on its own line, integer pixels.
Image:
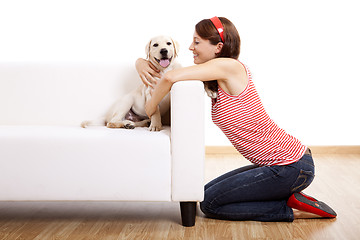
[{"x": 270, "y": 188}]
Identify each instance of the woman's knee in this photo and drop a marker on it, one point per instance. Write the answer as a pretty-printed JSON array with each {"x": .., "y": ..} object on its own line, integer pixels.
[{"x": 206, "y": 208}]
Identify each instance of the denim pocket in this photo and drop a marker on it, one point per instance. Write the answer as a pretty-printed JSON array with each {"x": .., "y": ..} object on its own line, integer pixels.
[{"x": 303, "y": 181}]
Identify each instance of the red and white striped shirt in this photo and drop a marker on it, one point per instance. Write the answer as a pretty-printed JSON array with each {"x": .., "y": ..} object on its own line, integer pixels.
[{"x": 249, "y": 128}]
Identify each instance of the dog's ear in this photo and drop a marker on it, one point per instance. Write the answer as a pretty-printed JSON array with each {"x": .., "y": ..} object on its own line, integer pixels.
[
  {"x": 176, "y": 47},
  {"x": 147, "y": 49}
]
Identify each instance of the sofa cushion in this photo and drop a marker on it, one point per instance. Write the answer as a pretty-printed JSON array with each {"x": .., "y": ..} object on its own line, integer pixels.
[{"x": 72, "y": 163}]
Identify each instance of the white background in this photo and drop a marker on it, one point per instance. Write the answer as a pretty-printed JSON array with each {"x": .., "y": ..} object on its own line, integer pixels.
[{"x": 304, "y": 55}]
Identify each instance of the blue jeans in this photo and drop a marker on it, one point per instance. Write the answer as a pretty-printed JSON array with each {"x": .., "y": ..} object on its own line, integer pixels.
[{"x": 257, "y": 193}]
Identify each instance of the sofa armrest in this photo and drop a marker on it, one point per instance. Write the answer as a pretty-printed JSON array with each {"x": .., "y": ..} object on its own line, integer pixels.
[{"x": 187, "y": 141}]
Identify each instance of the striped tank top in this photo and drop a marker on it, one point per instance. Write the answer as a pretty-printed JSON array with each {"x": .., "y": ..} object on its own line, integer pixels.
[{"x": 249, "y": 128}]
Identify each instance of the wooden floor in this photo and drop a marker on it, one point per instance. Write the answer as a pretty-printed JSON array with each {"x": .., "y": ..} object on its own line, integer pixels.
[{"x": 337, "y": 183}]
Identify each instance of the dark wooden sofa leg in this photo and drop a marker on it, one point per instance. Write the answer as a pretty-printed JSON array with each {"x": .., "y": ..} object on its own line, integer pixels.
[{"x": 188, "y": 213}]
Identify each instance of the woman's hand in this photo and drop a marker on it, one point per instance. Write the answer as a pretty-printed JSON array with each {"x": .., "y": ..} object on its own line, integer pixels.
[{"x": 147, "y": 71}]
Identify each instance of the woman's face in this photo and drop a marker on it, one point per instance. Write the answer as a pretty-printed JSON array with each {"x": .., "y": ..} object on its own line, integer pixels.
[{"x": 203, "y": 50}]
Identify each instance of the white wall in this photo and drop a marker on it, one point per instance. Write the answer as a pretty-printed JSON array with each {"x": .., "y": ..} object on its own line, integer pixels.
[{"x": 304, "y": 55}]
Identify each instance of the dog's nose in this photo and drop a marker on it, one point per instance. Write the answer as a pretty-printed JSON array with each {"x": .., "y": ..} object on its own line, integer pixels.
[{"x": 164, "y": 52}]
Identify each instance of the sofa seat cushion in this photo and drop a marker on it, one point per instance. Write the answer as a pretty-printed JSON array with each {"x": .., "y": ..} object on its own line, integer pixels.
[{"x": 72, "y": 163}]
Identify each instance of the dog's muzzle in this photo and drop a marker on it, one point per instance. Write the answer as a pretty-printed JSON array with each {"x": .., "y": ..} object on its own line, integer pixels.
[{"x": 164, "y": 62}]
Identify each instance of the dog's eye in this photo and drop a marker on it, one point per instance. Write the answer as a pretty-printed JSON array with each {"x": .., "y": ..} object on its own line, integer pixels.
[
  {"x": 155, "y": 45},
  {"x": 168, "y": 43}
]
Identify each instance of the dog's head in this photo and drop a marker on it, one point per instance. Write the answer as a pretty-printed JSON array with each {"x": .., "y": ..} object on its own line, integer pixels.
[{"x": 161, "y": 51}]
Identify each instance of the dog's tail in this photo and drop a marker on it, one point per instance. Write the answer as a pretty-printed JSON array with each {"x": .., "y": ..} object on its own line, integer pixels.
[{"x": 97, "y": 122}]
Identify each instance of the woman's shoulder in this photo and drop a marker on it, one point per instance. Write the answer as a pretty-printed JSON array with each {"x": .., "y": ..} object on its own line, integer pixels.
[
  {"x": 233, "y": 68},
  {"x": 225, "y": 60},
  {"x": 236, "y": 78},
  {"x": 230, "y": 64}
]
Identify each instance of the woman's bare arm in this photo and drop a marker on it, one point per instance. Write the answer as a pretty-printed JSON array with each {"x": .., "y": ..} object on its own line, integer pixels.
[{"x": 219, "y": 69}]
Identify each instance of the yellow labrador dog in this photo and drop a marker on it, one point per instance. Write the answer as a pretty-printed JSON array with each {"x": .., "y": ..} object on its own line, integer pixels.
[{"x": 129, "y": 111}]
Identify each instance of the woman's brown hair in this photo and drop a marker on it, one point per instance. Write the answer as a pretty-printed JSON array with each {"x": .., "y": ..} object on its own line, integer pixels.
[
  {"x": 231, "y": 45},
  {"x": 231, "y": 48}
]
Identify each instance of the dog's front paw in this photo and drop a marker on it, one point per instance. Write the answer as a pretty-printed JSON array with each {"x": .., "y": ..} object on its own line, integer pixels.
[{"x": 155, "y": 127}]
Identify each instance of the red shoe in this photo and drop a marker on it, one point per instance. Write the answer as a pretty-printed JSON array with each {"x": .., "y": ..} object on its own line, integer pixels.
[
  {"x": 308, "y": 197},
  {"x": 306, "y": 203}
]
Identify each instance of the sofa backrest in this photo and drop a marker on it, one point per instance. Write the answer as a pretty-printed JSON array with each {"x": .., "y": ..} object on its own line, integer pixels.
[{"x": 61, "y": 93}]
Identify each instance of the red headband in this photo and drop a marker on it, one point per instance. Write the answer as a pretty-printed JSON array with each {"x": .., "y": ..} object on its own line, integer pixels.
[{"x": 219, "y": 27}]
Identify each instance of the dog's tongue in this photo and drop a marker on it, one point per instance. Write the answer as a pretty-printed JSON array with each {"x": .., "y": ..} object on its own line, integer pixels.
[{"x": 164, "y": 63}]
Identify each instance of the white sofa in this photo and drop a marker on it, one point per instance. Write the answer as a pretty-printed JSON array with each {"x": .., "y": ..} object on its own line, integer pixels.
[{"x": 46, "y": 156}]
